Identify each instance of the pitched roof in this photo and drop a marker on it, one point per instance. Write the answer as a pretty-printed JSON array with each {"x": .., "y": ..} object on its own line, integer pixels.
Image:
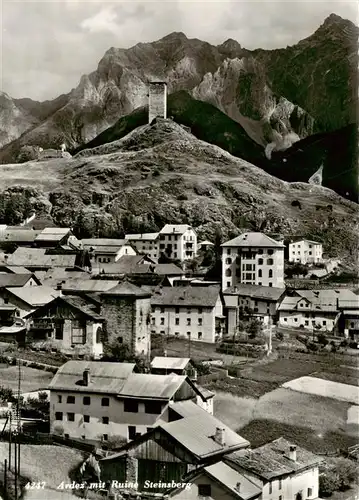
[
  {"x": 253, "y": 240},
  {"x": 159, "y": 269},
  {"x": 127, "y": 289},
  {"x": 318, "y": 300},
  {"x": 38, "y": 257},
  {"x": 299, "y": 240},
  {"x": 106, "y": 249},
  {"x": 186, "y": 409},
  {"x": 105, "y": 377},
  {"x": 53, "y": 234},
  {"x": 17, "y": 270},
  {"x": 270, "y": 460},
  {"x": 89, "y": 285},
  {"x": 255, "y": 291},
  {"x": 34, "y": 296},
  {"x": 205, "y": 242},
  {"x": 175, "y": 228},
  {"x": 19, "y": 235},
  {"x": 196, "y": 435},
  {"x": 12, "y": 280},
  {"x": 142, "y": 237},
  {"x": 82, "y": 304},
  {"x": 170, "y": 363},
  {"x": 103, "y": 242},
  {"x": 147, "y": 385},
  {"x": 229, "y": 478},
  {"x": 125, "y": 265},
  {"x": 186, "y": 296}
]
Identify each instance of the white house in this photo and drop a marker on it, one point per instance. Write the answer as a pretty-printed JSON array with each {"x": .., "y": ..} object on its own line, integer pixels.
[
  {"x": 314, "y": 308},
  {"x": 107, "y": 250},
  {"x": 305, "y": 252},
  {"x": 188, "y": 312},
  {"x": 99, "y": 401},
  {"x": 253, "y": 258},
  {"x": 178, "y": 241},
  {"x": 145, "y": 244}
]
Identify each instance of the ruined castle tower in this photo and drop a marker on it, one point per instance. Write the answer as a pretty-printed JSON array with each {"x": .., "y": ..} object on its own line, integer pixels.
[{"x": 157, "y": 100}]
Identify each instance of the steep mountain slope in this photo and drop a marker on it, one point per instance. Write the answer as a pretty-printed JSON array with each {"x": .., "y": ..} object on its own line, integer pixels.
[
  {"x": 278, "y": 96},
  {"x": 337, "y": 151},
  {"x": 161, "y": 173},
  {"x": 14, "y": 119}
]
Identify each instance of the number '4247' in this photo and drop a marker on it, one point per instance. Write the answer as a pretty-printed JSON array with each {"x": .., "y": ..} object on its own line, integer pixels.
[{"x": 35, "y": 486}]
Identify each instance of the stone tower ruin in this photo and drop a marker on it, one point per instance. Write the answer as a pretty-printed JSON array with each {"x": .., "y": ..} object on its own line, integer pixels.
[{"x": 157, "y": 100}]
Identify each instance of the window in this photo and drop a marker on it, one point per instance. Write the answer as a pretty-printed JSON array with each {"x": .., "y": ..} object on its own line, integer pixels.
[
  {"x": 86, "y": 400},
  {"x": 105, "y": 437},
  {"x": 86, "y": 419},
  {"x": 78, "y": 332},
  {"x": 310, "y": 253},
  {"x": 71, "y": 400},
  {"x": 153, "y": 407},
  {"x": 200, "y": 310},
  {"x": 260, "y": 251},
  {"x": 162, "y": 310},
  {"x": 177, "y": 321},
  {"x": 228, "y": 260},
  {"x": 352, "y": 324},
  {"x": 270, "y": 262},
  {"x": 279, "y": 484},
  {"x": 130, "y": 406},
  {"x": 59, "y": 399},
  {"x": 295, "y": 319},
  {"x": 71, "y": 417},
  {"x": 324, "y": 322},
  {"x": 153, "y": 321},
  {"x": 189, "y": 310},
  {"x": 199, "y": 321},
  {"x": 228, "y": 273},
  {"x": 306, "y": 322},
  {"x": 259, "y": 273},
  {"x": 280, "y": 497},
  {"x": 105, "y": 420},
  {"x": 270, "y": 487},
  {"x": 204, "y": 490},
  {"x": 285, "y": 319},
  {"x": 260, "y": 262},
  {"x": 176, "y": 334},
  {"x": 177, "y": 310},
  {"x": 59, "y": 330},
  {"x": 105, "y": 402},
  {"x": 228, "y": 251},
  {"x": 228, "y": 284},
  {"x": 58, "y": 415},
  {"x": 188, "y": 321},
  {"x": 148, "y": 429},
  {"x": 83, "y": 436},
  {"x": 270, "y": 284},
  {"x": 309, "y": 492},
  {"x": 199, "y": 335},
  {"x": 188, "y": 334},
  {"x": 120, "y": 340},
  {"x": 131, "y": 432},
  {"x": 162, "y": 321},
  {"x": 270, "y": 273}
]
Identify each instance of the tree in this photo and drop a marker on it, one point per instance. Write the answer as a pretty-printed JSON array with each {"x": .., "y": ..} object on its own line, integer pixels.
[
  {"x": 322, "y": 339},
  {"x": 117, "y": 351},
  {"x": 327, "y": 485}
]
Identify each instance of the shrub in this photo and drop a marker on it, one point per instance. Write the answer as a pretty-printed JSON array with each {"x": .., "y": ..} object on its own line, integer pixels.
[
  {"x": 279, "y": 336},
  {"x": 311, "y": 346},
  {"x": 327, "y": 485},
  {"x": 156, "y": 173},
  {"x": 322, "y": 339}
]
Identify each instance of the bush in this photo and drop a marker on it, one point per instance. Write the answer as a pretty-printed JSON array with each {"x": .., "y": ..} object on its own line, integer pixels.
[
  {"x": 327, "y": 485},
  {"x": 156, "y": 173},
  {"x": 279, "y": 336},
  {"x": 311, "y": 346},
  {"x": 322, "y": 339}
]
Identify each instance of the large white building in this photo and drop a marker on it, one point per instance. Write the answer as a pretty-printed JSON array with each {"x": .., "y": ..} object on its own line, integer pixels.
[
  {"x": 145, "y": 244},
  {"x": 178, "y": 241},
  {"x": 305, "y": 252},
  {"x": 253, "y": 258}
]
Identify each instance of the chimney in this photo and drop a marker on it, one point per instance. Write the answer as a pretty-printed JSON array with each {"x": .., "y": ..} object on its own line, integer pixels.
[
  {"x": 86, "y": 377},
  {"x": 235, "y": 289},
  {"x": 292, "y": 453},
  {"x": 238, "y": 487},
  {"x": 219, "y": 436}
]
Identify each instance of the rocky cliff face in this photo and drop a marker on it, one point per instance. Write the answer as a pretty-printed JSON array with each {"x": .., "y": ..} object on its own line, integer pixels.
[
  {"x": 14, "y": 119},
  {"x": 278, "y": 96},
  {"x": 110, "y": 190}
]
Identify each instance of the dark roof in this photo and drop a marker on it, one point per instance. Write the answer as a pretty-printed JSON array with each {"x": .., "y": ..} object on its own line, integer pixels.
[
  {"x": 253, "y": 240},
  {"x": 82, "y": 305},
  {"x": 255, "y": 291},
  {"x": 14, "y": 280},
  {"x": 270, "y": 460},
  {"x": 127, "y": 289},
  {"x": 186, "y": 296},
  {"x": 105, "y": 377}
]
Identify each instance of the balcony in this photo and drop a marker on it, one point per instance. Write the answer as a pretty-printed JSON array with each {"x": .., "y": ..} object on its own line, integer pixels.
[{"x": 43, "y": 324}]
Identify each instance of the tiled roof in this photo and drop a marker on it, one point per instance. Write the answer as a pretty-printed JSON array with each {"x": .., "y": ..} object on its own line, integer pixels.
[
  {"x": 103, "y": 242},
  {"x": 146, "y": 385},
  {"x": 308, "y": 241},
  {"x": 125, "y": 265},
  {"x": 34, "y": 296},
  {"x": 170, "y": 363},
  {"x": 107, "y": 378},
  {"x": 230, "y": 478},
  {"x": 53, "y": 234},
  {"x": 106, "y": 249},
  {"x": 82, "y": 305},
  {"x": 253, "y": 240},
  {"x": 318, "y": 300},
  {"x": 144, "y": 236},
  {"x": 270, "y": 460},
  {"x": 127, "y": 289},
  {"x": 19, "y": 235},
  {"x": 10, "y": 280},
  {"x": 255, "y": 291},
  {"x": 89, "y": 285},
  {"x": 186, "y": 296},
  {"x": 159, "y": 269},
  {"x": 17, "y": 270},
  {"x": 175, "y": 228},
  {"x": 196, "y": 435},
  {"x": 187, "y": 408},
  {"x": 38, "y": 257}
]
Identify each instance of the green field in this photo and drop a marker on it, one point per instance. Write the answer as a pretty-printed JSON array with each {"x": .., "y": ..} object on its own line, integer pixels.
[{"x": 31, "y": 379}]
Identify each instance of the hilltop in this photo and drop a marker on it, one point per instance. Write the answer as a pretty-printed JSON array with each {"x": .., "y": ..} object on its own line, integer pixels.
[{"x": 161, "y": 173}]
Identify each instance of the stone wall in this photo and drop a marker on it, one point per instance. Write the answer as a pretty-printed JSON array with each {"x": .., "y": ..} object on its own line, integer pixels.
[{"x": 120, "y": 314}]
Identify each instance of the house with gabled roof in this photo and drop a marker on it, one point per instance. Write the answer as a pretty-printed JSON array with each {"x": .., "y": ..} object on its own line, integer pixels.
[
  {"x": 99, "y": 401},
  {"x": 305, "y": 251},
  {"x": 178, "y": 241},
  {"x": 7, "y": 311},
  {"x": 38, "y": 259},
  {"x": 188, "y": 312},
  {"x": 282, "y": 470},
  {"x": 69, "y": 324},
  {"x": 107, "y": 250},
  {"x": 145, "y": 244},
  {"x": 253, "y": 258},
  {"x": 171, "y": 449},
  {"x": 52, "y": 237},
  {"x": 26, "y": 299}
]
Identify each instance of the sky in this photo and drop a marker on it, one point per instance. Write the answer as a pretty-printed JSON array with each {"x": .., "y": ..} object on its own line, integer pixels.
[{"x": 47, "y": 45}]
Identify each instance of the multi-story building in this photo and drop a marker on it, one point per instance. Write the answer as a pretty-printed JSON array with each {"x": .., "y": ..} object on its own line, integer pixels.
[
  {"x": 99, "y": 401},
  {"x": 188, "y": 312},
  {"x": 106, "y": 251},
  {"x": 145, "y": 244},
  {"x": 316, "y": 309},
  {"x": 178, "y": 241},
  {"x": 305, "y": 252},
  {"x": 253, "y": 258}
]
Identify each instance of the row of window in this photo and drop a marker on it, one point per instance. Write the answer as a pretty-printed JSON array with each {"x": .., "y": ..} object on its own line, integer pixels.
[
  {"x": 306, "y": 322},
  {"x": 190, "y": 310},
  {"x": 86, "y": 400},
  {"x": 199, "y": 334},
  {"x": 71, "y": 418},
  {"x": 229, "y": 284},
  {"x": 260, "y": 252},
  {"x": 129, "y": 405},
  {"x": 177, "y": 321},
  {"x": 132, "y": 433}
]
